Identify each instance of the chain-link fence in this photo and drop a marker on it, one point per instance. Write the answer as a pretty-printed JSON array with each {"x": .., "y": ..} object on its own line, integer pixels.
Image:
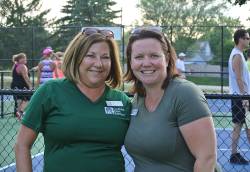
[
  {"x": 207, "y": 48},
  {"x": 219, "y": 104},
  {"x": 32, "y": 41}
]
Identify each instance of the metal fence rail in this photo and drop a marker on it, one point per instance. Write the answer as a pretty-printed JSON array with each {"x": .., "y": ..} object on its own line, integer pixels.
[{"x": 219, "y": 104}]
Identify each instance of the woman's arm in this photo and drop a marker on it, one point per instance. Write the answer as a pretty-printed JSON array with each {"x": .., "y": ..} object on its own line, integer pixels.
[
  {"x": 24, "y": 72},
  {"x": 25, "y": 139},
  {"x": 201, "y": 140}
]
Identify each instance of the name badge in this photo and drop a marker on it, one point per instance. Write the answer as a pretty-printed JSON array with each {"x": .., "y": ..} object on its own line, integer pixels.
[
  {"x": 134, "y": 112},
  {"x": 114, "y": 103}
]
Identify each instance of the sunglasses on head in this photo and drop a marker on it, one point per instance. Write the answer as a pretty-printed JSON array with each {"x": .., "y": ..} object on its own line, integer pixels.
[
  {"x": 155, "y": 29},
  {"x": 90, "y": 31},
  {"x": 138, "y": 30}
]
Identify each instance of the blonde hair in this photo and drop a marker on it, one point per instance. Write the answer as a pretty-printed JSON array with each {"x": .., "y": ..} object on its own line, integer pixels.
[
  {"x": 77, "y": 50},
  {"x": 59, "y": 55},
  {"x": 17, "y": 57}
]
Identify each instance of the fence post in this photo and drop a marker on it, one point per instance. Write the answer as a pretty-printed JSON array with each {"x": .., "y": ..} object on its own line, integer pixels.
[
  {"x": 222, "y": 59},
  {"x": 2, "y": 84}
]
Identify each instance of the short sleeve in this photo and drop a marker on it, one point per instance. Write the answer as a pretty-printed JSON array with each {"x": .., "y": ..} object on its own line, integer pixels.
[
  {"x": 34, "y": 113},
  {"x": 191, "y": 103}
]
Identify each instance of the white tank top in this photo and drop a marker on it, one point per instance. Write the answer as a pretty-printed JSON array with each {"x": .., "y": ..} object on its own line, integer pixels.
[{"x": 233, "y": 86}]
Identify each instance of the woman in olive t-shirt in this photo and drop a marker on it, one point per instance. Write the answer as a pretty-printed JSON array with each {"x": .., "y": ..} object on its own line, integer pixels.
[{"x": 171, "y": 127}]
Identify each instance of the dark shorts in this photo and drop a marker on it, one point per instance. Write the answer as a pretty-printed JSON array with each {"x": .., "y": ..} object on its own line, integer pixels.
[
  {"x": 238, "y": 112},
  {"x": 22, "y": 97}
]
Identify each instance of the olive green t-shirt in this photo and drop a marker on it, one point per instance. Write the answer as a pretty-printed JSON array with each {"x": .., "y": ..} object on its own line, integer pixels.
[
  {"x": 79, "y": 135},
  {"x": 154, "y": 140}
]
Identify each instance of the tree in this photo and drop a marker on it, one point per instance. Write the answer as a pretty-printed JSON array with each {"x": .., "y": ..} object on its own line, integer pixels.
[
  {"x": 238, "y": 2},
  {"x": 89, "y": 12},
  {"x": 79, "y": 13},
  {"x": 186, "y": 22},
  {"x": 22, "y": 13},
  {"x": 181, "y": 13},
  {"x": 18, "y": 17}
]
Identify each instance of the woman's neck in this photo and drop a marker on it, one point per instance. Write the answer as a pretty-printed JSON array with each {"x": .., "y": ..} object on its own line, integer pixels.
[
  {"x": 92, "y": 93},
  {"x": 153, "y": 98}
]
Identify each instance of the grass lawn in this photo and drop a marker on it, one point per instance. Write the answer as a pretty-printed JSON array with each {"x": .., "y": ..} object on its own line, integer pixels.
[
  {"x": 216, "y": 81},
  {"x": 210, "y": 81},
  {"x": 223, "y": 122}
]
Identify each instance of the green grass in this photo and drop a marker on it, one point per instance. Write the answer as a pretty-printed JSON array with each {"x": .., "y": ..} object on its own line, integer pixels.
[
  {"x": 222, "y": 122},
  {"x": 211, "y": 81},
  {"x": 216, "y": 81}
]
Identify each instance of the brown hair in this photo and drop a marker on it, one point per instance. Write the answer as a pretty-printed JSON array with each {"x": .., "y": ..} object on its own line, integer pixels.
[
  {"x": 77, "y": 50},
  {"x": 168, "y": 51},
  {"x": 240, "y": 33},
  {"x": 17, "y": 57}
]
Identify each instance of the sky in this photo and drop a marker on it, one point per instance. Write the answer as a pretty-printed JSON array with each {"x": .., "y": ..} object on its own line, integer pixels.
[{"x": 130, "y": 13}]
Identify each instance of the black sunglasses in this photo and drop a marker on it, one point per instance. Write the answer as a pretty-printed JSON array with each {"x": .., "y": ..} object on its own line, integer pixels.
[
  {"x": 137, "y": 31},
  {"x": 90, "y": 31},
  {"x": 156, "y": 29}
]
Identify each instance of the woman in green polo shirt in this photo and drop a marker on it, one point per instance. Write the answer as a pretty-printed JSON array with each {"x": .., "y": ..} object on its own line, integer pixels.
[
  {"x": 83, "y": 118},
  {"x": 171, "y": 128}
]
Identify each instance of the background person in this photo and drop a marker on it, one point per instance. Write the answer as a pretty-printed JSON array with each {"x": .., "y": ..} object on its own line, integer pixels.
[
  {"x": 171, "y": 127},
  {"x": 58, "y": 61},
  {"x": 180, "y": 66},
  {"x": 239, "y": 83},
  {"x": 86, "y": 133},
  {"x": 46, "y": 67},
  {"x": 20, "y": 80}
]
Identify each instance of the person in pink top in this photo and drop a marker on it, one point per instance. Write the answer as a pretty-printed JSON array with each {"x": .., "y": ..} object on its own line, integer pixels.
[
  {"x": 58, "y": 61},
  {"x": 46, "y": 67}
]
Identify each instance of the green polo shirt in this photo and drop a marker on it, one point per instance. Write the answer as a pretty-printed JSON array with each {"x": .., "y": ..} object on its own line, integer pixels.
[{"x": 79, "y": 135}]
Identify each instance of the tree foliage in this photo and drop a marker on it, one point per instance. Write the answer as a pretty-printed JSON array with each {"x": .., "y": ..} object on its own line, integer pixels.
[
  {"x": 238, "y": 2},
  {"x": 187, "y": 22},
  {"x": 89, "y": 12},
  {"x": 79, "y": 13},
  {"x": 18, "y": 17},
  {"x": 181, "y": 12},
  {"x": 22, "y": 13}
]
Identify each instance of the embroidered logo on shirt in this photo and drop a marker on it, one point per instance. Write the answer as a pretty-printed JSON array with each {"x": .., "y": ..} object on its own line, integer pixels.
[
  {"x": 114, "y": 103},
  {"x": 114, "y": 111}
]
